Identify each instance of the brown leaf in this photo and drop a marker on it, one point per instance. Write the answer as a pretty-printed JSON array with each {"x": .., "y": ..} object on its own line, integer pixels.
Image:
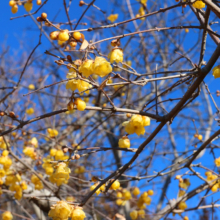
[
  {"x": 119, "y": 216},
  {"x": 84, "y": 45}
]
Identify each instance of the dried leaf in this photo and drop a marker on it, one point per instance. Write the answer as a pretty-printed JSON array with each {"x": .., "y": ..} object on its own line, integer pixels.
[
  {"x": 119, "y": 216},
  {"x": 84, "y": 45}
]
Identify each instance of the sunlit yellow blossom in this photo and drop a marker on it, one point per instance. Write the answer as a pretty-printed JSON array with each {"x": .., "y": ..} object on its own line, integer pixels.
[
  {"x": 134, "y": 215},
  {"x": 37, "y": 182},
  {"x": 101, "y": 67},
  {"x": 116, "y": 55},
  {"x": 30, "y": 111},
  {"x": 24, "y": 185},
  {"x": 140, "y": 204},
  {"x": 185, "y": 184},
  {"x": 80, "y": 104},
  {"x": 217, "y": 162},
  {"x": 181, "y": 193},
  {"x": 199, "y": 4},
  {"x": 28, "y": 6},
  {"x": 48, "y": 167},
  {"x": 136, "y": 191},
  {"x": 124, "y": 142},
  {"x": 5, "y": 153},
  {"x": 142, "y": 1},
  {"x": 30, "y": 152},
  {"x": 120, "y": 202},
  {"x": 142, "y": 12},
  {"x": 61, "y": 174},
  {"x": 34, "y": 142},
  {"x": 6, "y": 162},
  {"x": 74, "y": 84},
  {"x": 115, "y": 185},
  {"x": 86, "y": 68},
  {"x": 2, "y": 143},
  {"x": 31, "y": 87},
  {"x": 60, "y": 210},
  {"x": 2, "y": 173},
  {"x": 78, "y": 214},
  {"x": 112, "y": 17},
  {"x": 52, "y": 132},
  {"x": 126, "y": 195},
  {"x": 128, "y": 63},
  {"x": 216, "y": 71},
  {"x": 182, "y": 205},
  {"x": 7, "y": 216},
  {"x": 141, "y": 213},
  {"x": 53, "y": 152},
  {"x": 79, "y": 170},
  {"x": 136, "y": 124},
  {"x": 59, "y": 155}
]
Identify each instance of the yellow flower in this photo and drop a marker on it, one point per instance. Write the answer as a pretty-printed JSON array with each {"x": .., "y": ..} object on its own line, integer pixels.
[
  {"x": 181, "y": 193},
  {"x": 142, "y": 1},
  {"x": 2, "y": 143},
  {"x": 2, "y": 173},
  {"x": 28, "y": 6},
  {"x": 115, "y": 185},
  {"x": 136, "y": 191},
  {"x": 31, "y": 87},
  {"x": 63, "y": 35},
  {"x": 217, "y": 162},
  {"x": 60, "y": 210},
  {"x": 185, "y": 184},
  {"x": 82, "y": 86},
  {"x": 134, "y": 214},
  {"x": 30, "y": 152},
  {"x": 79, "y": 170},
  {"x": 53, "y": 152},
  {"x": 78, "y": 214},
  {"x": 59, "y": 155},
  {"x": 141, "y": 213},
  {"x": 70, "y": 199},
  {"x": 101, "y": 67},
  {"x": 124, "y": 142},
  {"x": 126, "y": 195},
  {"x": 112, "y": 17},
  {"x": 30, "y": 111},
  {"x": 128, "y": 63},
  {"x": 7, "y": 215},
  {"x": 120, "y": 202},
  {"x": 48, "y": 167},
  {"x": 61, "y": 174},
  {"x": 215, "y": 187},
  {"x": 5, "y": 153},
  {"x": 52, "y": 132},
  {"x": 216, "y": 71},
  {"x": 146, "y": 121},
  {"x": 150, "y": 192},
  {"x": 6, "y": 162},
  {"x": 211, "y": 177},
  {"x": 140, "y": 204},
  {"x": 24, "y": 185},
  {"x": 37, "y": 182},
  {"x": 199, "y": 4},
  {"x": 182, "y": 205},
  {"x": 34, "y": 142},
  {"x": 14, "y": 9},
  {"x": 136, "y": 124},
  {"x": 74, "y": 84},
  {"x": 116, "y": 55},
  {"x": 86, "y": 68},
  {"x": 142, "y": 12}
]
